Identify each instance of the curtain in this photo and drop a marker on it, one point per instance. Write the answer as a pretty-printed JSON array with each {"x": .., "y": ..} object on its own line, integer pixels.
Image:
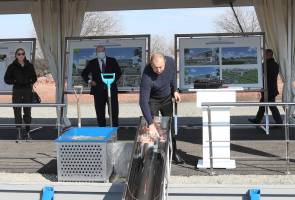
[
  {"x": 46, "y": 18},
  {"x": 276, "y": 19},
  {"x": 52, "y": 26}
]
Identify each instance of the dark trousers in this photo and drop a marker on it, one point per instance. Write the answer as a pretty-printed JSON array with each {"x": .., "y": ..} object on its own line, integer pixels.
[
  {"x": 165, "y": 108},
  {"x": 100, "y": 101},
  {"x": 274, "y": 110},
  {"x": 22, "y": 96}
]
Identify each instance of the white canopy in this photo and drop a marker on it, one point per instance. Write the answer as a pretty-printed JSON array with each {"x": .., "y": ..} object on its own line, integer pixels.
[
  {"x": 276, "y": 19},
  {"x": 24, "y": 6}
]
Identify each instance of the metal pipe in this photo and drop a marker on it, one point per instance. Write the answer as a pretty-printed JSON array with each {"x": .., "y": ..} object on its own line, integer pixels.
[
  {"x": 32, "y": 105},
  {"x": 287, "y": 139},
  {"x": 175, "y": 121},
  {"x": 245, "y": 125},
  {"x": 236, "y": 16},
  {"x": 267, "y": 158},
  {"x": 110, "y": 107},
  {"x": 210, "y": 140},
  {"x": 43, "y": 125},
  {"x": 59, "y": 113},
  {"x": 244, "y": 104}
]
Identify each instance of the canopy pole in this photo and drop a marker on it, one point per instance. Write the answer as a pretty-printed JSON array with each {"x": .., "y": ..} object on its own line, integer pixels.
[{"x": 236, "y": 16}]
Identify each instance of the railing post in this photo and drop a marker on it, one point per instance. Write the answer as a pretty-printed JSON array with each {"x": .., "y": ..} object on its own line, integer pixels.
[
  {"x": 210, "y": 141},
  {"x": 287, "y": 138},
  {"x": 58, "y": 120},
  {"x": 266, "y": 120}
]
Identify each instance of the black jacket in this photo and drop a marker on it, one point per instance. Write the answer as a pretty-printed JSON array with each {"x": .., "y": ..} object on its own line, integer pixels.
[
  {"x": 273, "y": 69},
  {"x": 20, "y": 77},
  {"x": 93, "y": 69}
]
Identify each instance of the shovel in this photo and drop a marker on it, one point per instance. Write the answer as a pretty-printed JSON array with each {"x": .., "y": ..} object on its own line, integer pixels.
[{"x": 108, "y": 79}]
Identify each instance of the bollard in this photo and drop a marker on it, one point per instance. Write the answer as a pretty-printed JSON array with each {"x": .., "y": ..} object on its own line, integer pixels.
[
  {"x": 48, "y": 193},
  {"x": 253, "y": 194}
]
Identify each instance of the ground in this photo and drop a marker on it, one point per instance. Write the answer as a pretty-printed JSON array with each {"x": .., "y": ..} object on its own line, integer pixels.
[{"x": 256, "y": 153}]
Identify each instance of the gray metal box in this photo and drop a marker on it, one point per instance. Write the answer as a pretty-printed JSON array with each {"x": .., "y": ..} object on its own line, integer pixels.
[{"x": 84, "y": 160}]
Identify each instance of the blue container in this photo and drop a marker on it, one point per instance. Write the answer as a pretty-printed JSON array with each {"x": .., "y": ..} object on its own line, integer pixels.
[{"x": 88, "y": 134}]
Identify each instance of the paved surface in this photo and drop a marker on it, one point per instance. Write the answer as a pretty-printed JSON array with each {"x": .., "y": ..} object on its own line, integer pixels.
[
  {"x": 252, "y": 148},
  {"x": 247, "y": 142}
]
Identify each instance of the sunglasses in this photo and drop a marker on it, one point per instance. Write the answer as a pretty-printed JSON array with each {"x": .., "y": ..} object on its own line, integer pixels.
[{"x": 21, "y": 54}]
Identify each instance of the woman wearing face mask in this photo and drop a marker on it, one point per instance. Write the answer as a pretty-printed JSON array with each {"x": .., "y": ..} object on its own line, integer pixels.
[{"x": 21, "y": 74}]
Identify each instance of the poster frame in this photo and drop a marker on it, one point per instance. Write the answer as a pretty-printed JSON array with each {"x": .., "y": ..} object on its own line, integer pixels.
[
  {"x": 177, "y": 38},
  {"x": 127, "y": 37}
]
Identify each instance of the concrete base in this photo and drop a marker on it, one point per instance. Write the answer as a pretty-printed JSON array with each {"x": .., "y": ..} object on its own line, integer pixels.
[{"x": 221, "y": 164}]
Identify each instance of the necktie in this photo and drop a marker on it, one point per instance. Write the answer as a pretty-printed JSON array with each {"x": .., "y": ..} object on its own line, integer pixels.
[{"x": 103, "y": 66}]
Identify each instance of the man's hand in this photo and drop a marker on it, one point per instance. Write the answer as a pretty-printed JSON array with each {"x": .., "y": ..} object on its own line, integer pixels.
[
  {"x": 153, "y": 130},
  {"x": 177, "y": 97},
  {"x": 93, "y": 83}
]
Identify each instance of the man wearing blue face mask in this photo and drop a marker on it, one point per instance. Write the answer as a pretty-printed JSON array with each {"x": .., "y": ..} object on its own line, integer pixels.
[{"x": 96, "y": 66}]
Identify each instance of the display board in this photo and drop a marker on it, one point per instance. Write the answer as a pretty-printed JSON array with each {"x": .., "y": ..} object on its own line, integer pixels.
[
  {"x": 236, "y": 60},
  {"x": 7, "y": 56},
  {"x": 131, "y": 53}
]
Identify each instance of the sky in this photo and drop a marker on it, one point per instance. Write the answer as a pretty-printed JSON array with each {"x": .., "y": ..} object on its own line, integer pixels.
[
  {"x": 161, "y": 22},
  {"x": 229, "y": 52}
]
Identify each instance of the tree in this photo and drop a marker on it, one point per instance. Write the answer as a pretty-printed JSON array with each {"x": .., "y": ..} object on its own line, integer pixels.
[
  {"x": 95, "y": 23},
  {"x": 227, "y": 22},
  {"x": 100, "y": 23},
  {"x": 162, "y": 45}
]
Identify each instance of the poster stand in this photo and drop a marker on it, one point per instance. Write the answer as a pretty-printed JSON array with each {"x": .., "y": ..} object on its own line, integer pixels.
[
  {"x": 220, "y": 134},
  {"x": 101, "y": 40}
]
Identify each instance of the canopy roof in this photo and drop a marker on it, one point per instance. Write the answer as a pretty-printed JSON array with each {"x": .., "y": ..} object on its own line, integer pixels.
[{"x": 23, "y": 6}]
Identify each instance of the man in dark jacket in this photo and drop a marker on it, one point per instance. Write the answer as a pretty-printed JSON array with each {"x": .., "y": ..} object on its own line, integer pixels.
[
  {"x": 158, "y": 87},
  {"x": 272, "y": 88},
  {"x": 21, "y": 74},
  {"x": 96, "y": 66}
]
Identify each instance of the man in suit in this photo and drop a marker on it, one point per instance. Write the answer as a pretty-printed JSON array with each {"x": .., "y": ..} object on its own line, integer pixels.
[
  {"x": 96, "y": 66},
  {"x": 272, "y": 88}
]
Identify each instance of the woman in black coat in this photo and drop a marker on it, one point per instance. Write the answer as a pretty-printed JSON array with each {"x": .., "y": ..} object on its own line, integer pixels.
[{"x": 21, "y": 74}]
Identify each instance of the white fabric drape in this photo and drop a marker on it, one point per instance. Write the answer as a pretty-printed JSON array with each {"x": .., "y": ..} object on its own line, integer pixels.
[
  {"x": 46, "y": 18},
  {"x": 276, "y": 19}
]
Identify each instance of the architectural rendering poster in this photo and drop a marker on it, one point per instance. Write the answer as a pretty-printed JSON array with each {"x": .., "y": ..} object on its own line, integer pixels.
[
  {"x": 7, "y": 51},
  {"x": 129, "y": 53},
  {"x": 235, "y": 60}
]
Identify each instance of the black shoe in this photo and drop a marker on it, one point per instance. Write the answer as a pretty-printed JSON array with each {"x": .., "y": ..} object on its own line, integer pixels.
[
  {"x": 177, "y": 159},
  {"x": 253, "y": 121}
]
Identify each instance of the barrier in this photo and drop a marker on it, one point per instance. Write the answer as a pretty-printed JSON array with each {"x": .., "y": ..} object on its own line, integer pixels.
[
  {"x": 58, "y": 106},
  {"x": 286, "y": 125}
]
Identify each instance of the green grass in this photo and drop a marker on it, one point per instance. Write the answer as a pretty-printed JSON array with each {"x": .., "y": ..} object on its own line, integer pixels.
[{"x": 249, "y": 77}]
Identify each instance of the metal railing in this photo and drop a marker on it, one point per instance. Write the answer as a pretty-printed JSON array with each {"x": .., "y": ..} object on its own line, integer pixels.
[
  {"x": 286, "y": 124},
  {"x": 58, "y": 106}
]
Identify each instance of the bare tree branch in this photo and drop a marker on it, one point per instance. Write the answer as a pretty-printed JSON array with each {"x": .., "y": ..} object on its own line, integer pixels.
[
  {"x": 226, "y": 22},
  {"x": 161, "y": 44},
  {"x": 100, "y": 23}
]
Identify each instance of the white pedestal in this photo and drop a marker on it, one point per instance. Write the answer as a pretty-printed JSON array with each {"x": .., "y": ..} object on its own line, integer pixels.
[{"x": 220, "y": 134}]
